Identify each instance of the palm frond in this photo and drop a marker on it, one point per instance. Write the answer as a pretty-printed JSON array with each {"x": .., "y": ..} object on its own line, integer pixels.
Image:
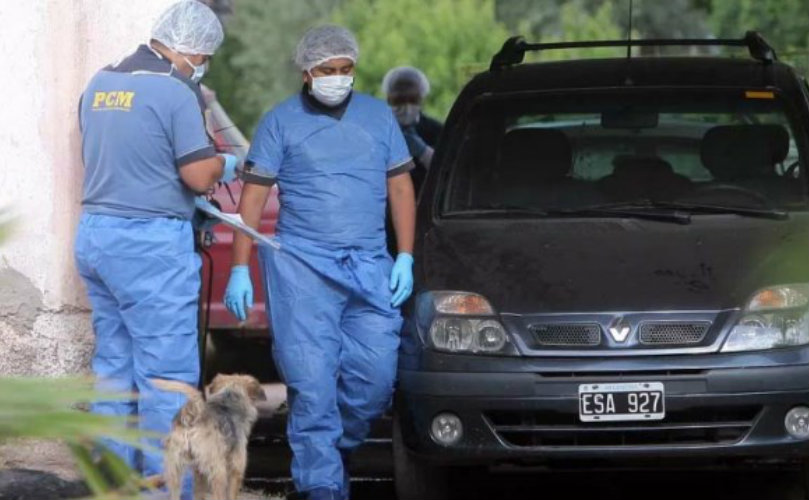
[{"x": 49, "y": 408}]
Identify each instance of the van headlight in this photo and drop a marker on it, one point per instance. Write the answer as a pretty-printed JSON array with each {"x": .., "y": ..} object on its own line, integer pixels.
[
  {"x": 463, "y": 322},
  {"x": 468, "y": 335},
  {"x": 774, "y": 317}
]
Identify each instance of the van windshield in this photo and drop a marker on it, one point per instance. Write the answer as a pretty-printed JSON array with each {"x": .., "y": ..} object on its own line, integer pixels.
[{"x": 563, "y": 153}]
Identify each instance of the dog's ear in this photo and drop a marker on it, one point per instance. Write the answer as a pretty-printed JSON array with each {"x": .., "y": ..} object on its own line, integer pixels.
[
  {"x": 215, "y": 385},
  {"x": 255, "y": 391}
]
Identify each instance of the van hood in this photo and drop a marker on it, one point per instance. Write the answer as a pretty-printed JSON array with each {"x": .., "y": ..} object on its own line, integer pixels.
[{"x": 597, "y": 265}]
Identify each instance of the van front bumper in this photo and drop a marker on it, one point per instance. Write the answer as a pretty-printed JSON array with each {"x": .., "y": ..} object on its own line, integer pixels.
[{"x": 525, "y": 417}]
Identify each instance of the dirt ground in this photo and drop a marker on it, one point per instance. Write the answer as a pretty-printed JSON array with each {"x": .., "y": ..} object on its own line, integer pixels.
[
  {"x": 45, "y": 456},
  {"x": 45, "y": 469}
]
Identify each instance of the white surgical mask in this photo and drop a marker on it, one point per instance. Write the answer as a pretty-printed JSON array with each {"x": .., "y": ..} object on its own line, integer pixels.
[
  {"x": 331, "y": 90},
  {"x": 199, "y": 71},
  {"x": 407, "y": 114}
]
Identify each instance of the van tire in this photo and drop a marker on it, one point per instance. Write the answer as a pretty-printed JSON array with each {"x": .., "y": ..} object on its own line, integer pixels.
[{"x": 414, "y": 480}]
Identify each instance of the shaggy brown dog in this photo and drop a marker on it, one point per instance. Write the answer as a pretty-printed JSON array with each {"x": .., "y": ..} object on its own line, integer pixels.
[{"x": 210, "y": 434}]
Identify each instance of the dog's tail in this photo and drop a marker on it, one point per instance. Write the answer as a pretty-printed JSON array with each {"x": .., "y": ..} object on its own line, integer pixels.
[{"x": 195, "y": 405}]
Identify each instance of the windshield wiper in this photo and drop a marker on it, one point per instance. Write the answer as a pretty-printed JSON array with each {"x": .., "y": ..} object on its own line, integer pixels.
[
  {"x": 628, "y": 210},
  {"x": 766, "y": 213},
  {"x": 499, "y": 210},
  {"x": 596, "y": 211},
  {"x": 646, "y": 203},
  {"x": 663, "y": 211}
]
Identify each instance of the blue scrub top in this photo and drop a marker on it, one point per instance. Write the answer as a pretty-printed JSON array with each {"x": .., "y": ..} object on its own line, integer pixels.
[
  {"x": 332, "y": 168},
  {"x": 141, "y": 121}
]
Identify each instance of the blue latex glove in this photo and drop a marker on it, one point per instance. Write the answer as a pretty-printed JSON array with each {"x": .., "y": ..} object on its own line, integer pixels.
[
  {"x": 415, "y": 144},
  {"x": 239, "y": 293},
  {"x": 229, "y": 172},
  {"x": 401, "y": 279}
]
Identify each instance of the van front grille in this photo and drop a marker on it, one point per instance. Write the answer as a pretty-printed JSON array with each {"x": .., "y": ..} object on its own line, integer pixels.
[
  {"x": 673, "y": 333},
  {"x": 567, "y": 334},
  {"x": 690, "y": 426}
]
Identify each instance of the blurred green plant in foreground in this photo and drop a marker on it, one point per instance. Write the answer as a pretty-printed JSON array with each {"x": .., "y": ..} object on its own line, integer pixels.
[
  {"x": 49, "y": 408},
  {"x": 43, "y": 408}
]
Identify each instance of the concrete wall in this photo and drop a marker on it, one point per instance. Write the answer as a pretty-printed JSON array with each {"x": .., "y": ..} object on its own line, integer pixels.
[{"x": 48, "y": 51}]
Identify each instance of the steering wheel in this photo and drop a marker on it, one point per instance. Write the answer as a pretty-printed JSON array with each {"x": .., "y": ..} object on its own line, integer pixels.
[{"x": 730, "y": 189}]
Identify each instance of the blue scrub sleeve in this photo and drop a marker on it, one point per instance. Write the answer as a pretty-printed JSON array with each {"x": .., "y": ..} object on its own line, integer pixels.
[
  {"x": 267, "y": 149},
  {"x": 189, "y": 138},
  {"x": 398, "y": 154}
]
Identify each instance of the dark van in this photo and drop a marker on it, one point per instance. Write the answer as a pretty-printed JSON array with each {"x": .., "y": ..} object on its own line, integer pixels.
[{"x": 613, "y": 264}]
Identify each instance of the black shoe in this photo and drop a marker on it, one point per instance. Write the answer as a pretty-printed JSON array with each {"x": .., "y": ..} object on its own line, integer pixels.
[
  {"x": 316, "y": 494},
  {"x": 346, "y": 493}
]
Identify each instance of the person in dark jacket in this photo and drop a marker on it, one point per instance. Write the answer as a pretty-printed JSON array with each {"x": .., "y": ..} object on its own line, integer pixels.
[{"x": 405, "y": 88}]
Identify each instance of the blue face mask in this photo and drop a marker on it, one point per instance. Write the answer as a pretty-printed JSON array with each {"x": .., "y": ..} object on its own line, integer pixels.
[{"x": 199, "y": 71}]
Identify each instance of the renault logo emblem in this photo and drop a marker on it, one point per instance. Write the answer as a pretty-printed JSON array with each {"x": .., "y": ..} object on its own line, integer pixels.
[{"x": 619, "y": 331}]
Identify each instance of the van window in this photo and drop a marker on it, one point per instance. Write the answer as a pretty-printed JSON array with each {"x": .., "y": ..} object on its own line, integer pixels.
[{"x": 569, "y": 151}]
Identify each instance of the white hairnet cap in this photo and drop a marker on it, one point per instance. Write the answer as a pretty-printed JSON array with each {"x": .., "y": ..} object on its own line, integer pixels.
[
  {"x": 405, "y": 79},
  {"x": 323, "y": 43},
  {"x": 189, "y": 27}
]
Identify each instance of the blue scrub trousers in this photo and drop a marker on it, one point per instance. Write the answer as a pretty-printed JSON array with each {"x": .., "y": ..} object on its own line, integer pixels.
[
  {"x": 142, "y": 278},
  {"x": 335, "y": 343}
]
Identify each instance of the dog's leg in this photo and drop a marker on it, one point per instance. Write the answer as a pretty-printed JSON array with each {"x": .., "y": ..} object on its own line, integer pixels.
[
  {"x": 173, "y": 468},
  {"x": 238, "y": 464},
  {"x": 200, "y": 485},
  {"x": 218, "y": 479}
]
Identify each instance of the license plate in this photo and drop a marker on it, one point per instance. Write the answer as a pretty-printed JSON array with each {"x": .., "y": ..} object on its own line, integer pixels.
[{"x": 641, "y": 401}]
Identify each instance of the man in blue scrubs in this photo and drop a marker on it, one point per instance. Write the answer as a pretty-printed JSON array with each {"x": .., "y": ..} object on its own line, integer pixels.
[
  {"x": 333, "y": 290},
  {"x": 146, "y": 155}
]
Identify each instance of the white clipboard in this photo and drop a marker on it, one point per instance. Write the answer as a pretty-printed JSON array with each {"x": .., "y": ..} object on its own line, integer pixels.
[{"x": 235, "y": 221}]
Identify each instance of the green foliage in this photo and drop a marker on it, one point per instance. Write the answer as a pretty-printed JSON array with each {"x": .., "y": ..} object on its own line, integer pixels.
[
  {"x": 522, "y": 17},
  {"x": 576, "y": 23},
  {"x": 254, "y": 69},
  {"x": 46, "y": 409},
  {"x": 449, "y": 40},
  {"x": 452, "y": 39},
  {"x": 782, "y": 22},
  {"x": 669, "y": 19},
  {"x": 651, "y": 18},
  {"x": 106, "y": 475},
  {"x": 227, "y": 79}
]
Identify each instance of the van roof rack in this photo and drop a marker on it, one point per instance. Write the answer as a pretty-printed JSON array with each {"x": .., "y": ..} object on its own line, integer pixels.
[{"x": 513, "y": 51}]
